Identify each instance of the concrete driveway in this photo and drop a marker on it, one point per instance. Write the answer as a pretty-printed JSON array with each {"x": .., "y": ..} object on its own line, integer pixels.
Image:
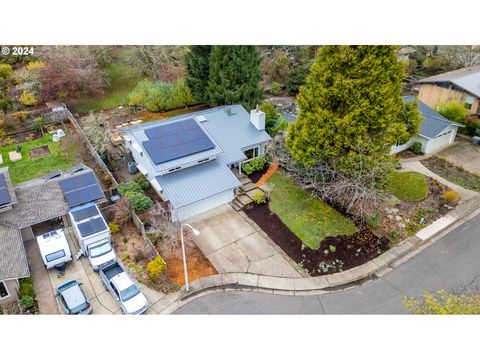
[
  {"x": 233, "y": 243},
  {"x": 463, "y": 153},
  {"x": 101, "y": 300}
]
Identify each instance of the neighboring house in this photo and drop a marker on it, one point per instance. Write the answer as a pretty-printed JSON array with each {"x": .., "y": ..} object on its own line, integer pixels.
[
  {"x": 34, "y": 204},
  {"x": 189, "y": 159},
  {"x": 461, "y": 85},
  {"x": 435, "y": 130}
]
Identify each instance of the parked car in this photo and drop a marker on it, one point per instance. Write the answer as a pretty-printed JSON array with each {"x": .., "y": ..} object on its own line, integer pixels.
[
  {"x": 93, "y": 235},
  {"x": 124, "y": 290},
  {"x": 73, "y": 299}
]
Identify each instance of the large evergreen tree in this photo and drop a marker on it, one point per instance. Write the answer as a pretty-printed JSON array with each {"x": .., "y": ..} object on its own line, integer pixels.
[
  {"x": 351, "y": 109},
  {"x": 197, "y": 61},
  {"x": 234, "y": 75}
]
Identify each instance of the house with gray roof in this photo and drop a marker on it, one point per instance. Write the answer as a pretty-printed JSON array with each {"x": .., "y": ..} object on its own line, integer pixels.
[
  {"x": 461, "y": 85},
  {"x": 190, "y": 159},
  {"x": 435, "y": 132},
  {"x": 29, "y": 204}
]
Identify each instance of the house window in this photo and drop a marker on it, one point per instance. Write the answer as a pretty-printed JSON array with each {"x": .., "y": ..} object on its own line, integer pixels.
[
  {"x": 468, "y": 102},
  {"x": 252, "y": 153},
  {"x": 3, "y": 291}
]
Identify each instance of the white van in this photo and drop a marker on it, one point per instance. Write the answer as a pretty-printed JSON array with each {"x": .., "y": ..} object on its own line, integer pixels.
[{"x": 54, "y": 248}]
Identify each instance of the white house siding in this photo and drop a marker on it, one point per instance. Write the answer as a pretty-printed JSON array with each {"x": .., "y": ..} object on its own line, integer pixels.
[
  {"x": 202, "y": 205},
  {"x": 12, "y": 288},
  {"x": 399, "y": 148}
]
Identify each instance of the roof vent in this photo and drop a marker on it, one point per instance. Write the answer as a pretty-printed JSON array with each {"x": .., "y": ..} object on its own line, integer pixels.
[{"x": 200, "y": 118}]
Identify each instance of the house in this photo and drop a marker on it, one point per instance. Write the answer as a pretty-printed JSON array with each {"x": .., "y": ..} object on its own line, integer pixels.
[
  {"x": 189, "y": 159},
  {"x": 32, "y": 206},
  {"x": 435, "y": 130},
  {"x": 461, "y": 85}
]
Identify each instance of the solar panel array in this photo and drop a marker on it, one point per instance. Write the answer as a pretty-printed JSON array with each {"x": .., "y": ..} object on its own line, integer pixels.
[
  {"x": 4, "y": 195},
  {"x": 84, "y": 213},
  {"x": 176, "y": 140},
  {"x": 92, "y": 226},
  {"x": 81, "y": 189}
]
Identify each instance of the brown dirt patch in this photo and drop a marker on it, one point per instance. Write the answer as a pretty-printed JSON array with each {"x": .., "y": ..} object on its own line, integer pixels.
[
  {"x": 335, "y": 254},
  {"x": 272, "y": 168},
  {"x": 407, "y": 154},
  {"x": 452, "y": 173},
  {"x": 256, "y": 176},
  {"x": 39, "y": 152},
  {"x": 149, "y": 116}
]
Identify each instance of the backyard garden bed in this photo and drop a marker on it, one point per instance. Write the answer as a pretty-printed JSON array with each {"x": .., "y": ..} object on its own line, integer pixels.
[
  {"x": 258, "y": 174},
  {"x": 452, "y": 173},
  {"x": 39, "y": 152}
]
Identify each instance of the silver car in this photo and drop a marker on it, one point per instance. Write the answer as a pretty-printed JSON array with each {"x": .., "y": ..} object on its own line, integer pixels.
[{"x": 73, "y": 299}]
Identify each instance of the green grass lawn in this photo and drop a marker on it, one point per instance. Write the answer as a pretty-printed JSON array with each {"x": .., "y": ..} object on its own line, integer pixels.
[
  {"x": 310, "y": 219},
  {"x": 27, "y": 168},
  {"x": 123, "y": 79},
  {"x": 409, "y": 186}
]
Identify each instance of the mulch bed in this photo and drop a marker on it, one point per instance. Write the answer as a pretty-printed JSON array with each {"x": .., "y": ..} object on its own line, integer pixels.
[
  {"x": 452, "y": 173},
  {"x": 407, "y": 154},
  {"x": 39, "y": 152},
  {"x": 257, "y": 175},
  {"x": 335, "y": 254}
]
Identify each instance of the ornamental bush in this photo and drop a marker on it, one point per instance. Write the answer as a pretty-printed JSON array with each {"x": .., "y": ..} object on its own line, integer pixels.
[
  {"x": 28, "y": 99},
  {"x": 27, "y": 301},
  {"x": 114, "y": 228},
  {"x": 138, "y": 201},
  {"x": 255, "y": 165},
  {"x": 259, "y": 198},
  {"x": 5, "y": 71},
  {"x": 142, "y": 181},
  {"x": 156, "y": 267},
  {"x": 130, "y": 186},
  {"x": 417, "y": 148},
  {"x": 276, "y": 89},
  {"x": 451, "y": 197}
]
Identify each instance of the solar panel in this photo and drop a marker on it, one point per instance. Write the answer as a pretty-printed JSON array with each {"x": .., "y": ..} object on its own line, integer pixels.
[
  {"x": 83, "y": 195},
  {"x": 84, "y": 213},
  {"x": 76, "y": 168},
  {"x": 176, "y": 140},
  {"x": 4, "y": 195},
  {"x": 77, "y": 182},
  {"x": 52, "y": 175},
  {"x": 92, "y": 226}
]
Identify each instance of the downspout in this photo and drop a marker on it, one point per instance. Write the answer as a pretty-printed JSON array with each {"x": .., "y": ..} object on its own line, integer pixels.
[{"x": 240, "y": 168}]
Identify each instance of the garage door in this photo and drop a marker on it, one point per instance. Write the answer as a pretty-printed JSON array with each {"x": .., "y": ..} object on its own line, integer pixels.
[
  {"x": 202, "y": 206},
  {"x": 441, "y": 140}
]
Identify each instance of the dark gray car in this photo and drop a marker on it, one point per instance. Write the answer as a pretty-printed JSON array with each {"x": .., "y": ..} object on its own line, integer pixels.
[{"x": 72, "y": 298}]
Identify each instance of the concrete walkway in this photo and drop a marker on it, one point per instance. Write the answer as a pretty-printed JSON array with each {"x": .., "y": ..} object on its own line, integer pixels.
[
  {"x": 419, "y": 167},
  {"x": 47, "y": 303},
  {"x": 232, "y": 244}
]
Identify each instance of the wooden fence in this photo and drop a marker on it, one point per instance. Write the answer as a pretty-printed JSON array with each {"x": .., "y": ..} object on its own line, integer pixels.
[{"x": 91, "y": 149}]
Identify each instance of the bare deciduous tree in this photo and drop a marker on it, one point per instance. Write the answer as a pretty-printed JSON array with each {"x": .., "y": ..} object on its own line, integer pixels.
[{"x": 167, "y": 231}]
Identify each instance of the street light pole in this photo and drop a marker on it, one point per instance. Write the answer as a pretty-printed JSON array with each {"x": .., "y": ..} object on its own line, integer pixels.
[{"x": 185, "y": 272}]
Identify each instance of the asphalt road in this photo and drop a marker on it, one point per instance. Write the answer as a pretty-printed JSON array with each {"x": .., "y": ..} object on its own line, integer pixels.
[{"x": 451, "y": 263}]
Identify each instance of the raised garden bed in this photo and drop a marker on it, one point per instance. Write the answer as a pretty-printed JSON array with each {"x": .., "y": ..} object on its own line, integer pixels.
[
  {"x": 39, "y": 152},
  {"x": 336, "y": 253},
  {"x": 452, "y": 173}
]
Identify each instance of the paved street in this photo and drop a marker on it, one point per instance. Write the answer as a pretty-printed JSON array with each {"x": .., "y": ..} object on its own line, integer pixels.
[{"x": 450, "y": 263}]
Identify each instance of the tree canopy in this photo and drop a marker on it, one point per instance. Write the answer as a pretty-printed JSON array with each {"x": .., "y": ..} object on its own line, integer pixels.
[
  {"x": 351, "y": 108},
  {"x": 234, "y": 75},
  {"x": 197, "y": 61}
]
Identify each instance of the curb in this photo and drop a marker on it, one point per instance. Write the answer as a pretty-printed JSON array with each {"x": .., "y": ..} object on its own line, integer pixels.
[{"x": 307, "y": 285}]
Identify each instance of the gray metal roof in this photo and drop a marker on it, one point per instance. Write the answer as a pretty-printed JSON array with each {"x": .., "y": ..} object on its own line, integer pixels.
[
  {"x": 231, "y": 132},
  {"x": 290, "y": 117},
  {"x": 196, "y": 183},
  {"x": 467, "y": 78},
  {"x": 13, "y": 260},
  {"x": 433, "y": 123}
]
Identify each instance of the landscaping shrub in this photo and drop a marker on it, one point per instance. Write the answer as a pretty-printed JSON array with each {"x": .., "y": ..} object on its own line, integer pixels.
[
  {"x": 20, "y": 115},
  {"x": 26, "y": 287},
  {"x": 259, "y": 197},
  {"x": 255, "y": 165},
  {"x": 138, "y": 201},
  {"x": 33, "y": 65},
  {"x": 130, "y": 186},
  {"x": 125, "y": 257},
  {"x": 453, "y": 111},
  {"x": 451, "y": 197},
  {"x": 114, "y": 228},
  {"x": 276, "y": 89},
  {"x": 156, "y": 267},
  {"x": 5, "y": 71},
  {"x": 27, "y": 99},
  {"x": 375, "y": 221},
  {"x": 27, "y": 301},
  {"x": 142, "y": 181},
  {"x": 417, "y": 148}
]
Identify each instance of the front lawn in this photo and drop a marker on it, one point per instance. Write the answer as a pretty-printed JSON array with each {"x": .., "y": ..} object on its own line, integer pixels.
[
  {"x": 27, "y": 168},
  {"x": 123, "y": 79},
  {"x": 309, "y": 218},
  {"x": 408, "y": 186}
]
